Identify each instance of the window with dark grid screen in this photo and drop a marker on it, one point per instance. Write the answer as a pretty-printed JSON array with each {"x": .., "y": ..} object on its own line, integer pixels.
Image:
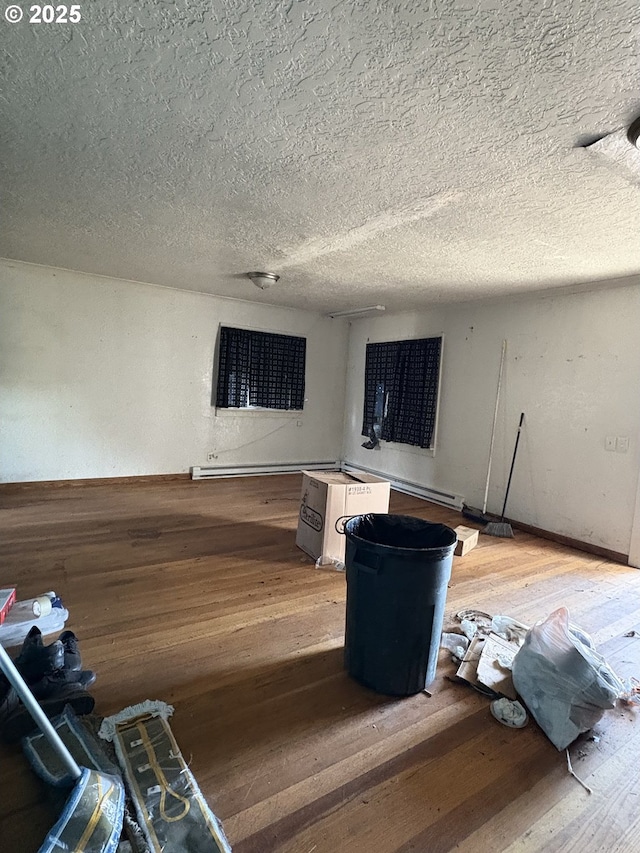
[
  {"x": 408, "y": 374},
  {"x": 260, "y": 369}
]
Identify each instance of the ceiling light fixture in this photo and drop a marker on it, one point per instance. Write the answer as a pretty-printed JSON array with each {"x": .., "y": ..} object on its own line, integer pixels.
[
  {"x": 633, "y": 134},
  {"x": 263, "y": 280},
  {"x": 371, "y": 311}
]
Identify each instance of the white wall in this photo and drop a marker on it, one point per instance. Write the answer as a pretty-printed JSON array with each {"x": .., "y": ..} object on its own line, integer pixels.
[
  {"x": 103, "y": 378},
  {"x": 573, "y": 367}
]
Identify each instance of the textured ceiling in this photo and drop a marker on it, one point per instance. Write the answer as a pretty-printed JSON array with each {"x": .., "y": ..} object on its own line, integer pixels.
[{"x": 368, "y": 151}]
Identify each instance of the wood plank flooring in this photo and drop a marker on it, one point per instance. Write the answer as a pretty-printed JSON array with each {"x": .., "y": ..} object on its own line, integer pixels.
[{"x": 194, "y": 592}]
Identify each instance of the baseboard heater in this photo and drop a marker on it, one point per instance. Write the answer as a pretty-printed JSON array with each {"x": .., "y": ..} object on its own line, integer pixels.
[
  {"x": 406, "y": 486},
  {"x": 213, "y": 471},
  {"x": 436, "y": 496}
]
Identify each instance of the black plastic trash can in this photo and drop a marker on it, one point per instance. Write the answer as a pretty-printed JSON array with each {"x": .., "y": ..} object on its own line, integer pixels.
[{"x": 398, "y": 568}]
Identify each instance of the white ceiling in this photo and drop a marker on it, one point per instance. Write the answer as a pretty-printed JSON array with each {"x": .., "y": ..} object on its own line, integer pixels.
[{"x": 368, "y": 151}]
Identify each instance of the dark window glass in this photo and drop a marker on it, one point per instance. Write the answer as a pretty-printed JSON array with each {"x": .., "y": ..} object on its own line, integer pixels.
[
  {"x": 260, "y": 369},
  {"x": 401, "y": 391}
]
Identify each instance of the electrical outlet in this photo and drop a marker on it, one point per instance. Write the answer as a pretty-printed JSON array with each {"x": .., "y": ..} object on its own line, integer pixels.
[
  {"x": 622, "y": 443},
  {"x": 610, "y": 442},
  {"x": 211, "y": 457},
  {"x": 298, "y": 423}
]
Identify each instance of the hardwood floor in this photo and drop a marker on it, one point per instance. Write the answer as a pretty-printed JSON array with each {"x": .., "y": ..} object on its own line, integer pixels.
[{"x": 194, "y": 592}]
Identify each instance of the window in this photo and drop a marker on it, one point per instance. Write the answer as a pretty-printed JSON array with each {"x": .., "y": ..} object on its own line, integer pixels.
[
  {"x": 401, "y": 391},
  {"x": 260, "y": 370}
]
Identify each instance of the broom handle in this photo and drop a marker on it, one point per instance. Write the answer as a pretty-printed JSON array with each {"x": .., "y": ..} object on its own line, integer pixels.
[
  {"x": 493, "y": 429},
  {"x": 40, "y": 718},
  {"x": 513, "y": 462}
]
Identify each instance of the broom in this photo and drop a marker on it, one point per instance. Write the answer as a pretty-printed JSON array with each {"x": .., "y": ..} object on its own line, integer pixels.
[
  {"x": 469, "y": 512},
  {"x": 91, "y": 821},
  {"x": 502, "y": 528}
]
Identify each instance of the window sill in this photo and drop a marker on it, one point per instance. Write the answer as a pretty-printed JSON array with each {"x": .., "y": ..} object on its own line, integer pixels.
[
  {"x": 258, "y": 413},
  {"x": 396, "y": 447}
]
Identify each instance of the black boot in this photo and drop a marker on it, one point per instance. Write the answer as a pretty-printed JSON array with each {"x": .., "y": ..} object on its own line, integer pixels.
[
  {"x": 52, "y": 693},
  {"x": 73, "y": 662},
  {"x": 8, "y": 700},
  {"x": 51, "y": 673},
  {"x": 36, "y": 659},
  {"x": 84, "y": 678},
  {"x": 72, "y": 659}
]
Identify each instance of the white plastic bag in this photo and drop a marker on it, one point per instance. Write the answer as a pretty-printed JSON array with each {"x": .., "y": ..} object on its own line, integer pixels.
[
  {"x": 457, "y": 644},
  {"x": 563, "y": 680},
  {"x": 20, "y": 620}
]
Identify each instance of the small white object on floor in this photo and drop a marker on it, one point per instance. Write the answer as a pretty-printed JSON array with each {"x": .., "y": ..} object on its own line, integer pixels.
[
  {"x": 575, "y": 775},
  {"x": 509, "y": 713},
  {"x": 41, "y": 606},
  {"x": 482, "y": 620},
  {"x": 330, "y": 563},
  {"x": 509, "y": 629},
  {"x": 457, "y": 644},
  {"x": 469, "y": 628}
]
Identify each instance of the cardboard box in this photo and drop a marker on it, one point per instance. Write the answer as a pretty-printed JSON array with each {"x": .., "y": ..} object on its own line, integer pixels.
[
  {"x": 467, "y": 539},
  {"x": 482, "y": 667},
  {"x": 7, "y": 600},
  {"x": 491, "y": 670},
  {"x": 326, "y": 497}
]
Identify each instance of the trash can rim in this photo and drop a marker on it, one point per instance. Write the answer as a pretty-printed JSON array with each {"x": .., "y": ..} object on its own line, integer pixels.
[{"x": 353, "y": 518}]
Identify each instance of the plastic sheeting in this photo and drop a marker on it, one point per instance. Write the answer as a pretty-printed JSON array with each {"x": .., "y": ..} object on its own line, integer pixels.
[
  {"x": 20, "y": 620},
  {"x": 92, "y": 818},
  {"x": 562, "y": 679},
  {"x": 171, "y": 808}
]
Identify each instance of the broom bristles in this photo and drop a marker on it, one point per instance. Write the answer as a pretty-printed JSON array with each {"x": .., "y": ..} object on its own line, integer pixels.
[
  {"x": 499, "y": 528},
  {"x": 476, "y": 515}
]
